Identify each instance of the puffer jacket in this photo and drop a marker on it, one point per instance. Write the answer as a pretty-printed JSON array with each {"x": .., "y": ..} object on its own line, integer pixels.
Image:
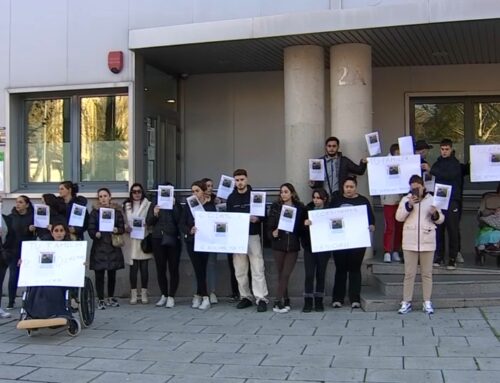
[
  {"x": 286, "y": 241},
  {"x": 103, "y": 255},
  {"x": 419, "y": 229}
]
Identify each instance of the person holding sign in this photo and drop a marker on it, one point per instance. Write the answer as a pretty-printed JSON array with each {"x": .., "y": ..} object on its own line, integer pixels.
[
  {"x": 199, "y": 260},
  {"x": 19, "y": 228},
  {"x": 315, "y": 263},
  {"x": 337, "y": 167},
  {"x": 419, "y": 241},
  {"x": 136, "y": 208},
  {"x": 448, "y": 171},
  {"x": 57, "y": 214},
  {"x": 68, "y": 194},
  {"x": 103, "y": 255},
  {"x": 285, "y": 244},
  {"x": 350, "y": 260},
  {"x": 167, "y": 248}
]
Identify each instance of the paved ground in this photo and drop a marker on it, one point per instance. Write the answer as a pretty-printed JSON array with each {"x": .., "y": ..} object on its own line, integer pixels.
[{"x": 224, "y": 345}]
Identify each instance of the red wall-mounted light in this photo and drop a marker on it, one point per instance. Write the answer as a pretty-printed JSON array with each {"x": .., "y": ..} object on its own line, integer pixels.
[{"x": 115, "y": 61}]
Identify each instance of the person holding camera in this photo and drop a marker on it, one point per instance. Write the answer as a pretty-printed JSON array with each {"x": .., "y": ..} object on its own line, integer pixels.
[{"x": 420, "y": 218}]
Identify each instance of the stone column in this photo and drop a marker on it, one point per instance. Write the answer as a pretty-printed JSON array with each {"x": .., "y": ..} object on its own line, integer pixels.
[{"x": 304, "y": 75}]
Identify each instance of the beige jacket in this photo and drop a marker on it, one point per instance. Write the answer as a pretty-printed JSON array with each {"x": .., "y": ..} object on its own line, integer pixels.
[
  {"x": 419, "y": 230},
  {"x": 132, "y": 248}
]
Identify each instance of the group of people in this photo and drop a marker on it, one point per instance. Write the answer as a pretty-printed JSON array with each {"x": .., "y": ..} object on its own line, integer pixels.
[{"x": 410, "y": 222}]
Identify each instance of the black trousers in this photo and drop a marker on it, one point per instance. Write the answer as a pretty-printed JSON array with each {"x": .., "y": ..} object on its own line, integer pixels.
[
  {"x": 315, "y": 265},
  {"x": 451, "y": 226},
  {"x": 348, "y": 261},
  {"x": 234, "y": 282},
  {"x": 99, "y": 283},
  {"x": 137, "y": 266},
  {"x": 167, "y": 256},
  {"x": 199, "y": 261}
]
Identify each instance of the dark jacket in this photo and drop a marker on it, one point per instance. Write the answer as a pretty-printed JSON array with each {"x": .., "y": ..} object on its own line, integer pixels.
[
  {"x": 240, "y": 203},
  {"x": 448, "y": 171},
  {"x": 18, "y": 231},
  {"x": 345, "y": 168},
  {"x": 286, "y": 241},
  {"x": 79, "y": 200},
  {"x": 338, "y": 200},
  {"x": 167, "y": 222},
  {"x": 103, "y": 255},
  {"x": 187, "y": 221},
  {"x": 57, "y": 214}
]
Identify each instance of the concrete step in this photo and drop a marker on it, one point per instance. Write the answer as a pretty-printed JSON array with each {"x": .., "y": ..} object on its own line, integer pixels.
[
  {"x": 444, "y": 285},
  {"x": 398, "y": 268}
]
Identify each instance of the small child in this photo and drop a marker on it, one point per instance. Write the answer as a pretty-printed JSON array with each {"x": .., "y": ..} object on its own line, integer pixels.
[{"x": 489, "y": 234}]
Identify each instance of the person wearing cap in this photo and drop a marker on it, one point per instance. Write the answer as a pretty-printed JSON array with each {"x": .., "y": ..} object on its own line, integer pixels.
[{"x": 422, "y": 148}]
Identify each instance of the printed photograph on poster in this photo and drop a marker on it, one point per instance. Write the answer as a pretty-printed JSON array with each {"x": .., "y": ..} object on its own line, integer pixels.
[
  {"x": 138, "y": 228},
  {"x": 77, "y": 215},
  {"x": 373, "y": 143},
  {"x": 53, "y": 263},
  {"x": 287, "y": 218},
  {"x": 406, "y": 146},
  {"x": 106, "y": 219},
  {"x": 429, "y": 181},
  {"x": 41, "y": 216},
  {"x": 390, "y": 174},
  {"x": 226, "y": 186},
  {"x": 258, "y": 204},
  {"x": 166, "y": 197},
  {"x": 442, "y": 194},
  {"x": 316, "y": 169},
  {"x": 484, "y": 163},
  {"x": 221, "y": 232},
  {"x": 194, "y": 204}
]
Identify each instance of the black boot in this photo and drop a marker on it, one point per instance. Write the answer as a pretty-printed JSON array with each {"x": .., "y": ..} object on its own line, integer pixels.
[
  {"x": 318, "y": 304},
  {"x": 308, "y": 305}
]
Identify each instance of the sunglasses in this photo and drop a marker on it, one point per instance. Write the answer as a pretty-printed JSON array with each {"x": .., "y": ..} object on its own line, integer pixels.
[{"x": 137, "y": 191}]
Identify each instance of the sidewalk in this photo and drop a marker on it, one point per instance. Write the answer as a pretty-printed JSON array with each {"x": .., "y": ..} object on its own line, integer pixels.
[{"x": 225, "y": 345}]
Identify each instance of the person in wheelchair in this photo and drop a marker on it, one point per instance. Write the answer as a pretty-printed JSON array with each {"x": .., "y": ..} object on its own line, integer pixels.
[{"x": 488, "y": 237}]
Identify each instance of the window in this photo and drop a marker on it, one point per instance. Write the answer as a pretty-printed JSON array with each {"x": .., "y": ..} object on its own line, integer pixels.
[
  {"x": 465, "y": 120},
  {"x": 80, "y": 137}
]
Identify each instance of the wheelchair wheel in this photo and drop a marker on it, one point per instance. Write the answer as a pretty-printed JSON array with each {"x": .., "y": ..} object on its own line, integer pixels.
[
  {"x": 74, "y": 327},
  {"x": 86, "y": 301}
]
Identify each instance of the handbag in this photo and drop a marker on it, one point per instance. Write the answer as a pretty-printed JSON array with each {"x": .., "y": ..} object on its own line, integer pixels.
[
  {"x": 147, "y": 244},
  {"x": 117, "y": 240},
  {"x": 168, "y": 240}
]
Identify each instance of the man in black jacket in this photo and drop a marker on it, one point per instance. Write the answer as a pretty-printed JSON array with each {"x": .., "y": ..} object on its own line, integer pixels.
[
  {"x": 448, "y": 171},
  {"x": 337, "y": 167},
  {"x": 239, "y": 202}
]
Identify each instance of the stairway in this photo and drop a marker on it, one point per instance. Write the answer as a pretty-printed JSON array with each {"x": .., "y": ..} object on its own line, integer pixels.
[{"x": 464, "y": 287}]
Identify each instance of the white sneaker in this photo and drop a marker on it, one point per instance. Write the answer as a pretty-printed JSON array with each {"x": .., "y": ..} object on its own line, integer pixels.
[
  {"x": 213, "y": 299},
  {"x": 387, "y": 257},
  {"x": 427, "y": 307},
  {"x": 162, "y": 301},
  {"x": 4, "y": 314},
  {"x": 356, "y": 305},
  {"x": 395, "y": 257},
  {"x": 196, "y": 302},
  {"x": 170, "y": 302},
  {"x": 205, "y": 303},
  {"x": 336, "y": 305},
  {"x": 460, "y": 258},
  {"x": 405, "y": 307}
]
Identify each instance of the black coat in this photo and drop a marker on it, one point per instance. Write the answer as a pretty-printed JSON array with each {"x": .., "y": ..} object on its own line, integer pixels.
[
  {"x": 103, "y": 255},
  {"x": 286, "y": 241},
  {"x": 167, "y": 222},
  {"x": 79, "y": 200},
  {"x": 187, "y": 221},
  {"x": 448, "y": 171},
  {"x": 18, "y": 231}
]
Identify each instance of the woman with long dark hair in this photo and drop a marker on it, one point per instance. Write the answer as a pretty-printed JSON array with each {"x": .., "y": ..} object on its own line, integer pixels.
[
  {"x": 285, "y": 244},
  {"x": 57, "y": 213},
  {"x": 68, "y": 192}
]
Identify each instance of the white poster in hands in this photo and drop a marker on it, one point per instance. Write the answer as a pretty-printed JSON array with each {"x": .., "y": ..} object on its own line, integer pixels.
[
  {"x": 390, "y": 174},
  {"x": 340, "y": 228},
  {"x": 52, "y": 263},
  {"x": 442, "y": 194},
  {"x": 221, "y": 232},
  {"x": 77, "y": 215},
  {"x": 166, "y": 197},
  {"x": 138, "y": 226},
  {"x": 258, "y": 204},
  {"x": 288, "y": 216},
  {"x": 226, "y": 186},
  {"x": 373, "y": 143},
  {"x": 406, "y": 146},
  {"x": 429, "y": 181},
  {"x": 194, "y": 204},
  {"x": 484, "y": 163},
  {"x": 316, "y": 169},
  {"x": 42, "y": 216},
  {"x": 106, "y": 219}
]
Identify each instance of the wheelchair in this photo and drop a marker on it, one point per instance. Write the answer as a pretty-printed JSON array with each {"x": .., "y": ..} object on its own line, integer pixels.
[{"x": 488, "y": 237}]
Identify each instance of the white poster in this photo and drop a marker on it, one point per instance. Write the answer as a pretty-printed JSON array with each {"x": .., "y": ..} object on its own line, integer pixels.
[
  {"x": 442, "y": 194},
  {"x": 42, "y": 216},
  {"x": 52, "y": 263},
  {"x": 166, "y": 197},
  {"x": 2, "y": 163},
  {"x": 288, "y": 216},
  {"x": 429, "y": 181},
  {"x": 258, "y": 204},
  {"x": 406, "y": 146},
  {"x": 484, "y": 163},
  {"x": 316, "y": 169},
  {"x": 373, "y": 143},
  {"x": 138, "y": 226},
  {"x": 221, "y": 232},
  {"x": 106, "y": 219},
  {"x": 226, "y": 186},
  {"x": 340, "y": 228},
  {"x": 390, "y": 174},
  {"x": 77, "y": 215},
  {"x": 194, "y": 204}
]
